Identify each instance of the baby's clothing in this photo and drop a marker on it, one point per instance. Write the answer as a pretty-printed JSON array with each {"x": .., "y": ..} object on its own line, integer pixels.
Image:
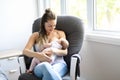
[{"x": 55, "y": 58}]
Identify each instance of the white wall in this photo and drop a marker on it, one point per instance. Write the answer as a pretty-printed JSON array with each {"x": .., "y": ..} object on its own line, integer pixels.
[
  {"x": 100, "y": 61},
  {"x": 16, "y": 18}
]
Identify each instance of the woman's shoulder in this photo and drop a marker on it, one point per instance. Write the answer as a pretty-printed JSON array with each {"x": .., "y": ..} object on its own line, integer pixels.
[
  {"x": 60, "y": 31},
  {"x": 35, "y": 35}
]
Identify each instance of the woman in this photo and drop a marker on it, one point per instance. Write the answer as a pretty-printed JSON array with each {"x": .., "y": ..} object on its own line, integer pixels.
[
  {"x": 47, "y": 34},
  {"x": 61, "y": 43}
]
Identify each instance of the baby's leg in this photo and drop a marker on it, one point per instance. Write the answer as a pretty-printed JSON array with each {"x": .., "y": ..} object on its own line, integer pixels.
[{"x": 34, "y": 62}]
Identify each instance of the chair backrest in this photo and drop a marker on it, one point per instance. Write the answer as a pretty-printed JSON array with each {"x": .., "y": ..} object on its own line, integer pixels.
[{"x": 73, "y": 28}]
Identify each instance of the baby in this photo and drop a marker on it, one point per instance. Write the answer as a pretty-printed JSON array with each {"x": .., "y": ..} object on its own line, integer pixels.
[{"x": 59, "y": 44}]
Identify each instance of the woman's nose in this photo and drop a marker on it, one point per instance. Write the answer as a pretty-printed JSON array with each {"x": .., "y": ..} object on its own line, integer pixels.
[{"x": 52, "y": 27}]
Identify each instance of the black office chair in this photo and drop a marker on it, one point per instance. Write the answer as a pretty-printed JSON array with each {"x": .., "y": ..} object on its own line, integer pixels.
[{"x": 73, "y": 28}]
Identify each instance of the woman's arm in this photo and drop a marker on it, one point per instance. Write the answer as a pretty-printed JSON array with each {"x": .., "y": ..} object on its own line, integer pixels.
[
  {"x": 27, "y": 50},
  {"x": 39, "y": 55},
  {"x": 60, "y": 52},
  {"x": 30, "y": 53}
]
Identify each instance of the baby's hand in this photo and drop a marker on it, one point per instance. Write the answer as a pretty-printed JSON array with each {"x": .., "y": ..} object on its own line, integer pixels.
[{"x": 29, "y": 71}]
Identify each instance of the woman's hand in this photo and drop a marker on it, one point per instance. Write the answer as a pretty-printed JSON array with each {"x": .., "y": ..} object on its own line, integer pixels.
[
  {"x": 59, "y": 52},
  {"x": 48, "y": 51},
  {"x": 44, "y": 57},
  {"x": 56, "y": 51}
]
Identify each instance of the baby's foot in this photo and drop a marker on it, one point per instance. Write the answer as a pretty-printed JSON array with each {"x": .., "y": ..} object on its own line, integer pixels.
[{"x": 29, "y": 71}]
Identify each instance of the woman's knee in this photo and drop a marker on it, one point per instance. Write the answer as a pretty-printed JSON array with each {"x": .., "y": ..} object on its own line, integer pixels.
[{"x": 42, "y": 67}]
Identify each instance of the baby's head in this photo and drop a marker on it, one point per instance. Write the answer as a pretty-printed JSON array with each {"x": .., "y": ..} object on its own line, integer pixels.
[{"x": 64, "y": 43}]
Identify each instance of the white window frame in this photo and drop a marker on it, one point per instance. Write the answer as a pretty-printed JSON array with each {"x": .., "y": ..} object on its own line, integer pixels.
[
  {"x": 92, "y": 34},
  {"x": 90, "y": 14},
  {"x": 43, "y": 4},
  {"x": 63, "y": 7}
]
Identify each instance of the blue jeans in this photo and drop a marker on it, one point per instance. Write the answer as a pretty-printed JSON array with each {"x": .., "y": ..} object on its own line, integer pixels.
[{"x": 46, "y": 71}]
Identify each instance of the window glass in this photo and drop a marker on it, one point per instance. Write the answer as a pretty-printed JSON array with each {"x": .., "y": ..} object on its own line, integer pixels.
[
  {"x": 107, "y": 15},
  {"x": 77, "y": 8},
  {"x": 55, "y": 6}
]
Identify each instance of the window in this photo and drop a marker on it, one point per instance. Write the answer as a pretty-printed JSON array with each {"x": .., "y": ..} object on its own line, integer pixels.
[
  {"x": 55, "y": 5},
  {"x": 77, "y": 8},
  {"x": 102, "y": 15},
  {"x": 65, "y": 7},
  {"x": 107, "y": 15}
]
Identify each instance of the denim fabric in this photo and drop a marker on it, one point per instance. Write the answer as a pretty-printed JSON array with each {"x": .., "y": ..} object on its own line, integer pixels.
[{"x": 46, "y": 71}]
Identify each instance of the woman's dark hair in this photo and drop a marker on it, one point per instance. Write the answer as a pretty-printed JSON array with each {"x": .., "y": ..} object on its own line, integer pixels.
[{"x": 48, "y": 15}]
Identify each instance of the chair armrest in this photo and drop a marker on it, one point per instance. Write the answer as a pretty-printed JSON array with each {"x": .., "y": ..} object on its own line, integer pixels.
[
  {"x": 22, "y": 64},
  {"x": 75, "y": 67}
]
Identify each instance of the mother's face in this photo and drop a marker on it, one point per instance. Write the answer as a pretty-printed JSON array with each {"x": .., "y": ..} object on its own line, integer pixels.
[{"x": 50, "y": 25}]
